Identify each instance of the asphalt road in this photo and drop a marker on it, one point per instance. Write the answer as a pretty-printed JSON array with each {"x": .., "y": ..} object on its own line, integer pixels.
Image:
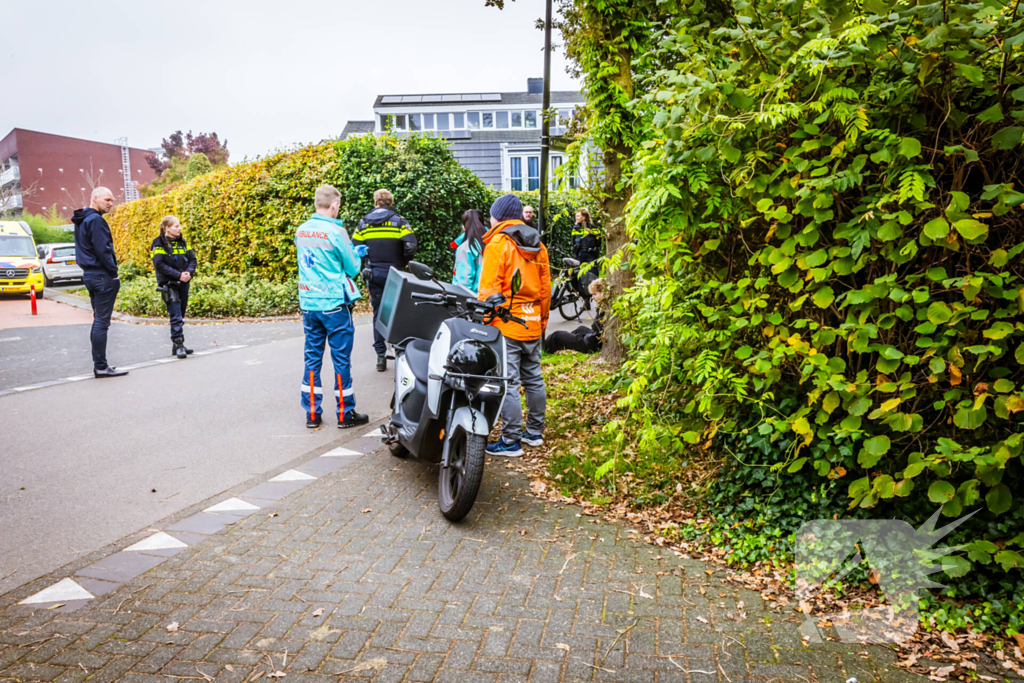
[{"x": 79, "y": 460}]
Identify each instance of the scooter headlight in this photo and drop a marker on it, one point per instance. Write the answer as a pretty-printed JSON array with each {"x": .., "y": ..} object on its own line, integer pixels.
[{"x": 472, "y": 357}]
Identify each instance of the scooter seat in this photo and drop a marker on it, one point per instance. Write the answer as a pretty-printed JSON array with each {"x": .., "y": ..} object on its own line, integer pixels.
[{"x": 417, "y": 352}]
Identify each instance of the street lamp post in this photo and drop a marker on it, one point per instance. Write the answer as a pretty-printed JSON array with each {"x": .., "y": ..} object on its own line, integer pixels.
[{"x": 545, "y": 126}]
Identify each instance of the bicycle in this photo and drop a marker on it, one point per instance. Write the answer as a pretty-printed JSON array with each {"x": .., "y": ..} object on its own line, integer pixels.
[{"x": 567, "y": 294}]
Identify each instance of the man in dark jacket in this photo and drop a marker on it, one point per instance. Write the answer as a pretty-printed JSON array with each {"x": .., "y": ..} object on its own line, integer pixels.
[
  {"x": 94, "y": 250},
  {"x": 390, "y": 242}
]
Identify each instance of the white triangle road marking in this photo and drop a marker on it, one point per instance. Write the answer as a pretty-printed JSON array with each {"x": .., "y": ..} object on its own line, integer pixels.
[
  {"x": 293, "y": 475},
  {"x": 230, "y": 505},
  {"x": 339, "y": 453},
  {"x": 64, "y": 590},
  {"x": 158, "y": 541}
]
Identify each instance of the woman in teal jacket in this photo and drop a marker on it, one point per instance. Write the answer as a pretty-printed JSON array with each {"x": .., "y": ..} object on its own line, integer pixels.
[{"x": 469, "y": 251}]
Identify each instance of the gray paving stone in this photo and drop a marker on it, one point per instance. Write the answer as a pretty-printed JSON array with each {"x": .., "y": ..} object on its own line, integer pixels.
[{"x": 476, "y": 601}]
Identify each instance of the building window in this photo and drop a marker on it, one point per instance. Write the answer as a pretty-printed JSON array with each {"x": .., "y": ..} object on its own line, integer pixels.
[
  {"x": 570, "y": 182},
  {"x": 459, "y": 121},
  {"x": 517, "y": 119},
  {"x": 501, "y": 119},
  {"x": 531, "y": 119},
  {"x": 488, "y": 119},
  {"x": 516, "y": 173},
  {"x": 442, "y": 121},
  {"x": 428, "y": 122},
  {"x": 533, "y": 165},
  {"x": 415, "y": 122},
  {"x": 393, "y": 121},
  {"x": 473, "y": 119}
]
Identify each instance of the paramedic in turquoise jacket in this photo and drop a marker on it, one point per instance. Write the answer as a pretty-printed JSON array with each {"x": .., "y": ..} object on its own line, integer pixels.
[
  {"x": 469, "y": 251},
  {"x": 327, "y": 264}
]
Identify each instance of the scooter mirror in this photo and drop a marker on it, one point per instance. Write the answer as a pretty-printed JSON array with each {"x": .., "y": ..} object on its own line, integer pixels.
[
  {"x": 517, "y": 282},
  {"x": 421, "y": 271}
]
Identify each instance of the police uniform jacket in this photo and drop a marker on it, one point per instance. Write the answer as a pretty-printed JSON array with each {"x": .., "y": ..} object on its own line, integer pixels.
[
  {"x": 388, "y": 238},
  {"x": 170, "y": 259},
  {"x": 586, "y": 242}
]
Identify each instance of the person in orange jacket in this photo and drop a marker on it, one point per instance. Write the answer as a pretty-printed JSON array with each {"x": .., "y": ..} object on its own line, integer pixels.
[{"x": 512, "y": 245}]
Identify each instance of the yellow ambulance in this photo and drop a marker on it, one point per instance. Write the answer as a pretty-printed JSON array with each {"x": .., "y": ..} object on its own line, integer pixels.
[{"x": 19, "y": 262}]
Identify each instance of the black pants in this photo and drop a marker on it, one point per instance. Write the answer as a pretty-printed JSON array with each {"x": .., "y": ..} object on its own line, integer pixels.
[
  {"x": 582, "y": 340},
  {"x": 376, "y": 287},
  {"x": 177, "y": 301},
  {"x": 102, "y": 293}
]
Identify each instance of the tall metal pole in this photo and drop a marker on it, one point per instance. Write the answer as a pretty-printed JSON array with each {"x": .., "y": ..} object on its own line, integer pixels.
[{"x": 545, "y": 126}]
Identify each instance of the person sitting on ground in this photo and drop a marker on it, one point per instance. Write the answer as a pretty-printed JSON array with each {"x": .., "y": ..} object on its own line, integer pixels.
[
  {"x": 513, "y": 246},
  {"x": 469, "y": 251},
  {"x": 583, "y": 339}
]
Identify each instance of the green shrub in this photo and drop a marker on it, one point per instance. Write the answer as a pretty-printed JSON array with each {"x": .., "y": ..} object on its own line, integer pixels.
[
  {"x": 198, "y": 164},
  {"x": 214, "y": 296},
  {"x": 44, "y": 230}
]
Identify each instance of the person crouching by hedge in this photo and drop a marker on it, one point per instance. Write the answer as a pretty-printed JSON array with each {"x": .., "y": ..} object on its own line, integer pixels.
[
  {"x": 469, "y": 251},
  {"x": 175, "y": 265}
]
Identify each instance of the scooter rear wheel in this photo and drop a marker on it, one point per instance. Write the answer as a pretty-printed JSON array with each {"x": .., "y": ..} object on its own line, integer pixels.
[
  {"x": 398, "y": 450},
  {"x": 460, "y": 481}
]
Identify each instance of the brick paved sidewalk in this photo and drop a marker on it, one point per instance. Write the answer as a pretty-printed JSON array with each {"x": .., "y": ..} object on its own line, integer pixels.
[{"x": 358, "y": 577}]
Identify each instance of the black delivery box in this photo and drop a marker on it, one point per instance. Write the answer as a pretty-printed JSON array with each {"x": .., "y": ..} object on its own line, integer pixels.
[{"x": 399, "y": 318}]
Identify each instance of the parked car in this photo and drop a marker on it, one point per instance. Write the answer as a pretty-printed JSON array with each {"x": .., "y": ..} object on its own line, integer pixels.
[
  {"x": 19, "y": 261},
  {"x": 59, "y": 263}
]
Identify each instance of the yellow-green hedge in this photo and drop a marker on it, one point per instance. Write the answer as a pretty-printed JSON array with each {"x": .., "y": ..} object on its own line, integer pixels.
[{"x": 242, "y": 219}]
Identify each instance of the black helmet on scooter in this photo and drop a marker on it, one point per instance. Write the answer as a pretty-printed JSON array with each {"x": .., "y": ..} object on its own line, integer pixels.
[{"x": 472, "y": 357}]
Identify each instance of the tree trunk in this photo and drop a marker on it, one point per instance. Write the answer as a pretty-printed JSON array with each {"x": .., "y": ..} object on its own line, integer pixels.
[{"x": 616, "y": 195}]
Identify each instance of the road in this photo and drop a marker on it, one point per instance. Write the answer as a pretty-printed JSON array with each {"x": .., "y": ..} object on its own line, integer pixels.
[{"x": 79, "y": 460}]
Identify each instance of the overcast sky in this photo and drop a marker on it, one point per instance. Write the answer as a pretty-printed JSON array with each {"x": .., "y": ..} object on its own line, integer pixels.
[{"x": 262, "y": 74}]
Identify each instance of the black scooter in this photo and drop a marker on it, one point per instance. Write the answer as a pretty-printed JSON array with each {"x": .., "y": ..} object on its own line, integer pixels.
[{"x": 449, "y": 387}]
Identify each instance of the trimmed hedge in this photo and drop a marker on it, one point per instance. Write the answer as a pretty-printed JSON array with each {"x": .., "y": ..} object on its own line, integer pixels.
[{"x": 242, "y": 219}]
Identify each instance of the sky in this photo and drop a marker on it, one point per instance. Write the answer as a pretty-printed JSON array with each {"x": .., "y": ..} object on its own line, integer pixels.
[{"x": 263, "y": 75}]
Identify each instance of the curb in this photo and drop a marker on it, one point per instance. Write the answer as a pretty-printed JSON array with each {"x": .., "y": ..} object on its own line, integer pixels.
[{"x": 83, "y": 303}]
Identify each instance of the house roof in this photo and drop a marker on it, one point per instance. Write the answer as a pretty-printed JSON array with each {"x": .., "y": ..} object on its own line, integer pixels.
[
  {"x": 357, "y": 128},
  {"x": 477, "y": 99}
]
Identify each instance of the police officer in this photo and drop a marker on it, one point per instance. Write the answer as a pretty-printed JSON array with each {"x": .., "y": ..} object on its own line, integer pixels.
[
  {"x": 390, "y": 242},
  {"x": 586, "y": 237},
  {"x": 175, "y": 266}
]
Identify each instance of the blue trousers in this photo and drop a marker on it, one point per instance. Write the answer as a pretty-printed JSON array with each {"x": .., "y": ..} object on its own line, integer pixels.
[
  {"x": 334, "y": 328},
  {"x": 102, "y": 293}
]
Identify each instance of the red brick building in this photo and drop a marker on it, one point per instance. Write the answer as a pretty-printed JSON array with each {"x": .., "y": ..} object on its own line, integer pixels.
[{"x": 40, "y": 170}]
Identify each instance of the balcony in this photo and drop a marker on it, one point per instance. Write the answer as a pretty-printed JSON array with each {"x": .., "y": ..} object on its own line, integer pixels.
[
  {"x": 11, "y": 175},
  {"x": 12, "y": 202}
]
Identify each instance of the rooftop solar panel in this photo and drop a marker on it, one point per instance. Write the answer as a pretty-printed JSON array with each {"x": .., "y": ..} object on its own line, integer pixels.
[
  {"x": 470, "y": 98},
  {"x": 432, "y": 98},
  {"x": 411, "y": 98},
  {"x": 451, "y": 98},
  {"x": 391, "y": 99},
  {"x": 493, "y": 97}
]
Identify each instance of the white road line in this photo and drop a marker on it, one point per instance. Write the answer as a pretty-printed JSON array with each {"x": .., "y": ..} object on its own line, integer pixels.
[
  {"x": 28, "y": 388},
  {"x": 78, "y": 378},
  {"x": 293, "y": 475},
  {"x": 64, "y": 590},
  {"x": 3, "y": 339},
  {"x": 231, "y": 505},
  {"x": 339, "y": 453},
  {"x": 158, "y": 541}
]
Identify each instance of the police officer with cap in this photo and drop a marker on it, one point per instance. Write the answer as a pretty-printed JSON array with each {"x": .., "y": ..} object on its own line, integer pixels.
[{"x": 390, "y": 242}]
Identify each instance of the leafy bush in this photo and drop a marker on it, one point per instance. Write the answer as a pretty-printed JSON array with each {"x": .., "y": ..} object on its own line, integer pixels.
[
  {"x": 214, "y": 296},
  {"x": 46, "y": 229},
  {"x": 242, "y": 219},
  {"x": 828, "y": 239},
  {"x": 198, "y": 165}
]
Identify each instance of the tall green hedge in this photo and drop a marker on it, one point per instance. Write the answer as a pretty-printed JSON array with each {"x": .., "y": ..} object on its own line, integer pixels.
[
  {"x": 242, "y": 219},
  {"x": 829, "y": 237}
]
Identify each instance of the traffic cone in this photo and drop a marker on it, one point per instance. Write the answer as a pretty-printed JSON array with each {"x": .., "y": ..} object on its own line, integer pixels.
[{"x": 32, "y": 295}]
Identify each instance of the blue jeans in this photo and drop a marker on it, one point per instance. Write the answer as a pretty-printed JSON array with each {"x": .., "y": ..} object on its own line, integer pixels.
[
  {"x": 334, "y": 328},
  {"x": 102, "y": 293}
]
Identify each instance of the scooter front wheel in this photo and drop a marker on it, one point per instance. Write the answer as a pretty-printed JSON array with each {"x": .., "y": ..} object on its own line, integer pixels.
[{"x": 460, "y": 481}]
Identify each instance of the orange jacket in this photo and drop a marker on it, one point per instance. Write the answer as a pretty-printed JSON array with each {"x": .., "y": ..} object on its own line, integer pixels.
[{"x": 508, "y": 246}]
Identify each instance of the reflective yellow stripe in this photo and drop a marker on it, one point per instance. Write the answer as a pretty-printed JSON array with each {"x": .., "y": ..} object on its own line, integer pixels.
[
  {"x": 159, "y": 250},
  {"x": 381, "y": 233}
]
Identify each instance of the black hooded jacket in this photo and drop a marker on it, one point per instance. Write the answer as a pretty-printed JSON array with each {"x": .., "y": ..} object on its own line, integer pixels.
[
  {"x": 170, "y": 259},
  {"x": 94, "y": 246},
  {"x": 389, "y": 239}
]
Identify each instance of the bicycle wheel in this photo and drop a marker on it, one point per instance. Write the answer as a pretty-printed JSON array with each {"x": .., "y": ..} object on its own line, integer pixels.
[{"x": 572, "y": 305}]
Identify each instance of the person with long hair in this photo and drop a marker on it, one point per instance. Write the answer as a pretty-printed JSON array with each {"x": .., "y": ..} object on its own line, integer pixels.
[
  {"x": 175, "y": 265},
  {"x": 469, "y": 250},
  {"x": 586, "y": 237}
]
